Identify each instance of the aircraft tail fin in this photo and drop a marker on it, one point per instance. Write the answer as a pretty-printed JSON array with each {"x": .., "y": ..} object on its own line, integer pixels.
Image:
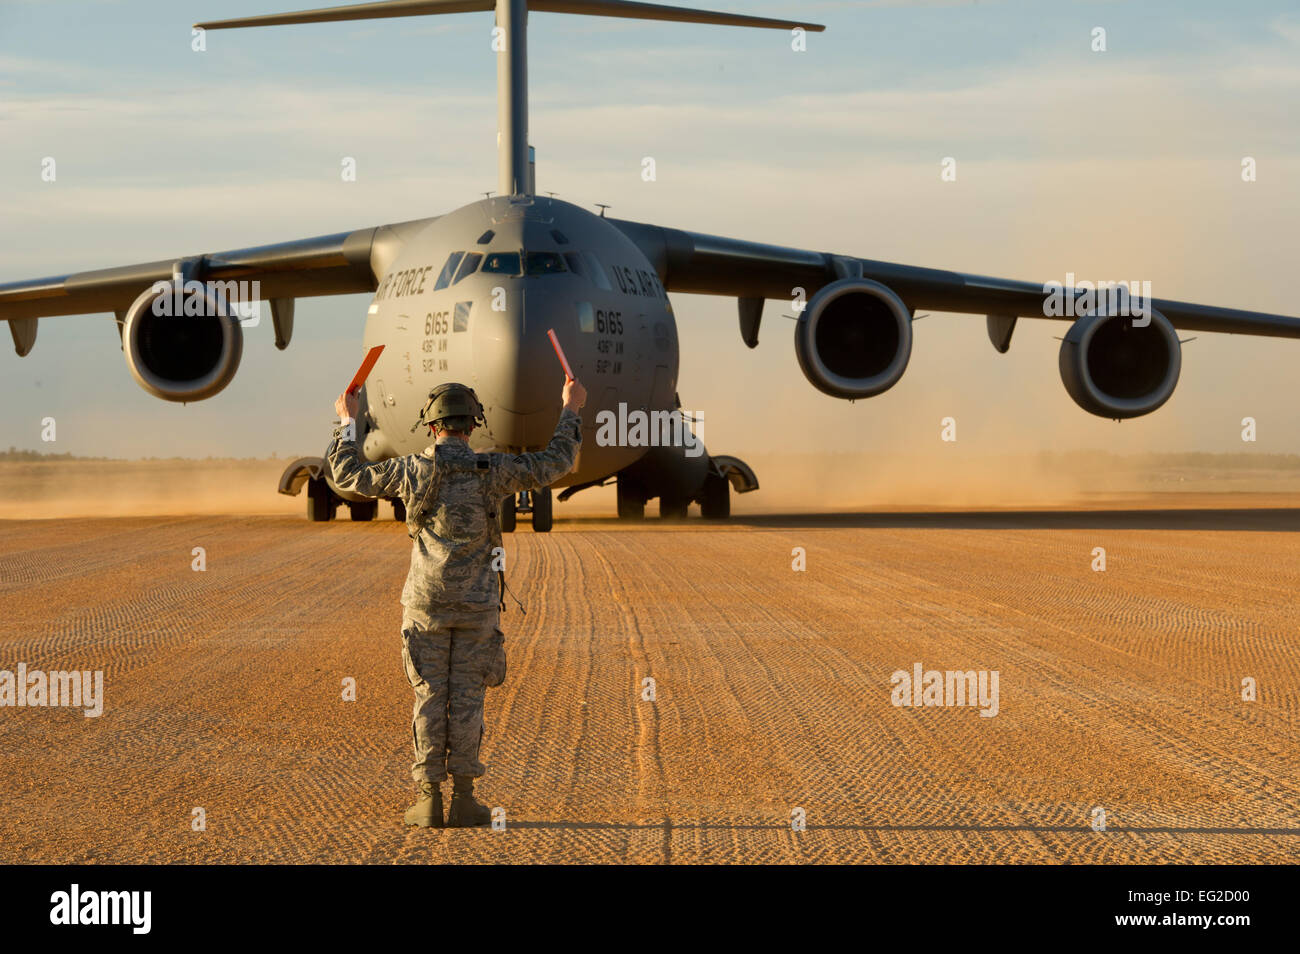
[
  {"x": 515, "y": 168},
  {"x": 598, "y": 8}
]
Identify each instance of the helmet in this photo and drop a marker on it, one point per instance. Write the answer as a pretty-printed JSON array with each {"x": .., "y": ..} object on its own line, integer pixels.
[{"x": 451, "y": 401}]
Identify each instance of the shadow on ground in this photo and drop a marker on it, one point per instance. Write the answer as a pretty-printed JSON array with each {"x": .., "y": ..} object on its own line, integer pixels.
[{"x": 1271, "y": 520}]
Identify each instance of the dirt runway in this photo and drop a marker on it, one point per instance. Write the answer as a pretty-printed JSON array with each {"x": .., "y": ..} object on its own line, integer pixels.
[{"x": 1119, "y": 691}]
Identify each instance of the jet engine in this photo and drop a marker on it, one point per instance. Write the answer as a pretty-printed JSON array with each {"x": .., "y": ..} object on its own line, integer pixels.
[
  {"x": 854, "y": 338},
  {"x": 181, "y": 347},
  {"x": 1114, "y": 368}
]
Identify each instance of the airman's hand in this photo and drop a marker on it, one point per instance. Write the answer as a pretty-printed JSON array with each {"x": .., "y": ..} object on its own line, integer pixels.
[
  {"x": 575, "y": 395},
  {"x": 346, "y": 406}
]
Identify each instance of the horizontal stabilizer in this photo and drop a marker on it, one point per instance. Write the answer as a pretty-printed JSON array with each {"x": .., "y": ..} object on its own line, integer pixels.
[
  {"x": 595, "y": 8},
  {"x": 356, "y": 11},
  {"x": 657, "y": 11}
]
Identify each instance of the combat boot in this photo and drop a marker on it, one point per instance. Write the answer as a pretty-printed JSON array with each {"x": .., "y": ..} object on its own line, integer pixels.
[
  {"x": 427, "y": 810},
  {"x": 465, "y": 811}
]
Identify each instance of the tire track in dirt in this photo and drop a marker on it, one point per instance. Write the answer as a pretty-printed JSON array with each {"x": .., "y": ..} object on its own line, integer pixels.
[
  {"x": 1081, "y": 671},
  {"x": 225, "y": 693},
  {"x": 875, "y": 685},
  {"x": 1044, "y": 659},
  {"x": 639, "y": 717}
]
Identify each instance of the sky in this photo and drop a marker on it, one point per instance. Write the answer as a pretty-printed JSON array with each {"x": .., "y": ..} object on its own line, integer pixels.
[{"x": 1115, "y": 165}]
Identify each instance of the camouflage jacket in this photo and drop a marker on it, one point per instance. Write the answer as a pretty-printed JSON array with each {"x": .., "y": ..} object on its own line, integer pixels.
[{"x": 451, "y": 496}]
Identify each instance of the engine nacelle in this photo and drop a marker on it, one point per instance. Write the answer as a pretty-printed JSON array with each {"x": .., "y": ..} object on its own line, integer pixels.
[
  {"x": 181, "y": 357},
  {"x": 1113, "y": 369},
  {"x": 854, "y": 338}
]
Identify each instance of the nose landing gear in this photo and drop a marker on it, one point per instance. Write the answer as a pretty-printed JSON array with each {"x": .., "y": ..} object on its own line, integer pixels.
[{"x": 535, "y": 502}]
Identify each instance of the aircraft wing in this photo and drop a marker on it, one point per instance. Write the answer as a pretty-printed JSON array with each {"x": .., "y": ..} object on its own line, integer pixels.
[
  {"x": 338, "y": 264},
  {"x": 702, "y": 264}
]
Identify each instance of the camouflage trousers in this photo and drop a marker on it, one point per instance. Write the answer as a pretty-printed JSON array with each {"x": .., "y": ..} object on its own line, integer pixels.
[{"x": 450, "y": 658}]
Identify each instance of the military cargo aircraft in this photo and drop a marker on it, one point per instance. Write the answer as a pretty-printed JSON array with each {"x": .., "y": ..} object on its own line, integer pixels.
[{"x": 470, "y": 296}]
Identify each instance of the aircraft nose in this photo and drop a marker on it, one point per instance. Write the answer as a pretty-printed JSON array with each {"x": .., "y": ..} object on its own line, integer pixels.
[{"x": 517, "y": 376}]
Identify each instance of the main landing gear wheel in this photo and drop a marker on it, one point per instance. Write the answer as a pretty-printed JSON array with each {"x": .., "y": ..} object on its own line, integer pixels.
[
  {"x": 673, "y": 508},
  {"x": 399, "y": 511},
  {"x": 715, "y": 502},
  {"x": 365, "y": 510},
  {"x": 631, "y": 502},
  {"x": 320, "y": 501},
  {"x": 543, "y": 511},
  {"x": 506, "y": 515}
]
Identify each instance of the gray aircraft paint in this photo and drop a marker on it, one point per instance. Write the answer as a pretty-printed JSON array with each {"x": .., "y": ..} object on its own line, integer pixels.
[{"x": 505, "y": 354}]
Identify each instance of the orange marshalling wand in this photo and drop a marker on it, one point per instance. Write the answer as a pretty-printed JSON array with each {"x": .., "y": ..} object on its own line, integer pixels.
[
  {"x": 363, "y": 372},
  {"x": 559, "y": 353}
]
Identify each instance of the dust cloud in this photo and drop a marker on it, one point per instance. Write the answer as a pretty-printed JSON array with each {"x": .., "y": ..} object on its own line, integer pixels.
[
  {"x": 118, "y": 488},
  {"x": 948, "y": 478}
]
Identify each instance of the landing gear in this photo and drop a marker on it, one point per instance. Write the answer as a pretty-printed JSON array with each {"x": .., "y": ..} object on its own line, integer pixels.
[
  {"x": 543, "y": 512},
  {"x": 534, "y": 502},
  {"x": 631, "y": 500},
  {"x": 715, "y": 499},
  {"x": 364, "y": 510},
  {"x": 678, "y": 484},
  {"x": 320, "y": 501},
  {"x": 399, "y": 511}
]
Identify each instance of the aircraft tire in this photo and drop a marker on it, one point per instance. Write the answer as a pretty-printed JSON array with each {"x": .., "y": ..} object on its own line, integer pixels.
[
  {"x": 543, "y": 511},
  {"x": 715, "y": 503},
  {"x": 320, "y": 503},
  {"x": 631, "y": 505},
  {"x": 506, "y": 514},
  {"x": 399, "y": 511}
]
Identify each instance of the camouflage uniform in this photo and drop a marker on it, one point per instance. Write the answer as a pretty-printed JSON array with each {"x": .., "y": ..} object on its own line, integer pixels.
[{"x": 452, "y": 645}]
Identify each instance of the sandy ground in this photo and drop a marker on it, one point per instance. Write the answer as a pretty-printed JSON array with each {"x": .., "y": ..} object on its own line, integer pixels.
[{"x": 1117, "y": 689}]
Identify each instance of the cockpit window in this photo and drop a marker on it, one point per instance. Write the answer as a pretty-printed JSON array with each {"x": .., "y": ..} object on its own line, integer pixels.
[
  {"x": 502, "y": 263},
  {"x": 597, "y": 272},
  {"x": 575, "y": 263},
  {"x": 543, "y": 263},
  {"x": 468, "y": 265},
  {"x": 448, "y": 270}
]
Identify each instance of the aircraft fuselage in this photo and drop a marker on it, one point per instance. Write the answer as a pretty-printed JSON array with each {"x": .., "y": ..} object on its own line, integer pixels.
[{"x": 470, "y": 298}]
